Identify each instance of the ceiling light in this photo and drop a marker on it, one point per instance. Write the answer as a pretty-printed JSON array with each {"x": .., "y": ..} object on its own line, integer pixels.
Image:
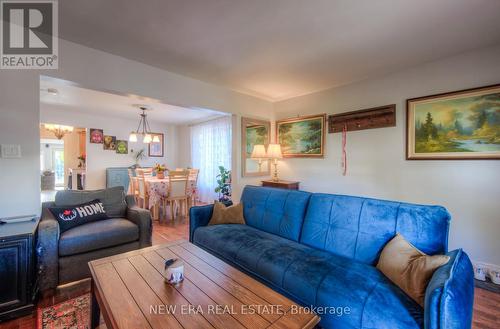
[
  {"x": 143, "y": 128},
  {"x": 156, "y": 139},
  {"x": 132, "y": 137},
  {"x": 58, "y": 130}
]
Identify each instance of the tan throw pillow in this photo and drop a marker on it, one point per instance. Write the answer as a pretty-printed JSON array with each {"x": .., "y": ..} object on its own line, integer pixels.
[
  {"x": 227, "y": 215},
  {"x": 409, "y": 268}
]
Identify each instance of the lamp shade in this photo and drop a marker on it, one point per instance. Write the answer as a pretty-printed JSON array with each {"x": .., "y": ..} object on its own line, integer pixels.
[
  {"x": 258, "y": 152},
  {"x": 147, "y": 139},
  {"x": 156, "y": 139},
  {"x": 274, "y": 151},
  {"x": 132, "y": 137}
]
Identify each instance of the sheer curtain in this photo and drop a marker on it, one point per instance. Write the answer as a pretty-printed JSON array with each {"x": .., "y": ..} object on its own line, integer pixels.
[{"x": 210, "y": 148}]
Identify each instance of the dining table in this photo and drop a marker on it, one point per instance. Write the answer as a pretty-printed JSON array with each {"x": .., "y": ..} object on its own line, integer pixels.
[{"x": 157, "y": 189}]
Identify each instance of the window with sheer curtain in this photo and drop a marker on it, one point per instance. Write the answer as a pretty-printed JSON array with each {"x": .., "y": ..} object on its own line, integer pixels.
[{"x": 210, "y": 148}]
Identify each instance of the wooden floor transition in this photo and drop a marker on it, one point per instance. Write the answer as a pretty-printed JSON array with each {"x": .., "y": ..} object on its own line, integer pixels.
[{"x": 486, "y": 303}]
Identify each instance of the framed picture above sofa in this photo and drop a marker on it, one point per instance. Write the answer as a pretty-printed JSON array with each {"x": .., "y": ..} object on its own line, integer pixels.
[
  {"x": 302, "y": 137},
  {"x": 456, "y": 125}
]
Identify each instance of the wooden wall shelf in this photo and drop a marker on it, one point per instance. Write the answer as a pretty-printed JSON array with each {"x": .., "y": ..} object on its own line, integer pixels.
[{"x": 377, "y": 117}]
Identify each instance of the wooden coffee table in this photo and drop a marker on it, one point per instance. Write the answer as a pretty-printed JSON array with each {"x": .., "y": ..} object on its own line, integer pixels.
[{"x": 131, "y": 293}]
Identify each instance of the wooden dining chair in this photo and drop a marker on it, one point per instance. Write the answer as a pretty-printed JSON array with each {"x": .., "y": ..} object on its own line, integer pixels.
[
  {"x": 193, "y": 181},
  {"x": 178, "y": 193},
  {"x": 142, "y": 195},
  {"x": 147, "y": 172},
  {"x": 132, "y": 186}
]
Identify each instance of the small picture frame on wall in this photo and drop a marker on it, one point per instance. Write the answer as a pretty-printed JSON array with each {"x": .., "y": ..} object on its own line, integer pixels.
[
  {"x": 96, "y": 136},
  {"x": 122, "y": 147},
  {"x": 109, "y": 143},
  {"x": 156, "y": 149}
]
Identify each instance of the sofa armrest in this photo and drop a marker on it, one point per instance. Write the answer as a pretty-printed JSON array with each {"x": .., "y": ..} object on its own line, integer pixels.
[
  {"x": 47, "y": 251},
  {"x": 142, "y": 218},
  {"x": 450, "y": 294},
  {"x": 199, "y": 216}
]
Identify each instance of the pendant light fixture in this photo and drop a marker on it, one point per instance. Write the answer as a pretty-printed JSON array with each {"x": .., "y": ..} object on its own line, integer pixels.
[
  {"x": 58, "y": 130},
  {"x": 143, "y": 128}
]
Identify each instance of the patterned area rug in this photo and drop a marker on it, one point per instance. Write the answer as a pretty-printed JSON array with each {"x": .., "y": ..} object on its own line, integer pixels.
[{"x": 73, "y": 313}]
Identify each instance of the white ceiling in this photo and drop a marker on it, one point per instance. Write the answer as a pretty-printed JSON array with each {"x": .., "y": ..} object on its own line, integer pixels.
[
  {"x": 73, "y": 98},
  {"x": 278, "y": 49}
]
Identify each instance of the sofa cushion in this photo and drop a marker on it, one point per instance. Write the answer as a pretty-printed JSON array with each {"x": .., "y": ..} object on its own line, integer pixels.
[
  {"x": 97, "y": 235},
  {"x": 358, "y": 228},
  {"x": 227, "y": 215},
  {"x": 314, "y": 277},
  {"x": 409, "y": 268},
  {"x": 112, "y": 198},
  {"x": 276, "y": 211}
]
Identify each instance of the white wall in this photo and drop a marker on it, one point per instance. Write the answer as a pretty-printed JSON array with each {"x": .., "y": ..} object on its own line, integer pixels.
[
  {"x": 20, "y": 114},
  {"x": 183, "y": 146},
  {"x": 99, "y": 159},
  {"x": 470, "y": 190}
]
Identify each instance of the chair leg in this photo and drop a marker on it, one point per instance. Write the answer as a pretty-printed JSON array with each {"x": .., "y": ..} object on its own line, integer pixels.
[{"x": 172, "y": 210}]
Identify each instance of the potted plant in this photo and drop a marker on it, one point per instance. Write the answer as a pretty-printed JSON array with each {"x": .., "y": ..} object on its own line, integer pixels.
[
  {"x": 160, "y": 171},
  {"x": 224, "y": 186},
  {"x": 138, "y": 156}
]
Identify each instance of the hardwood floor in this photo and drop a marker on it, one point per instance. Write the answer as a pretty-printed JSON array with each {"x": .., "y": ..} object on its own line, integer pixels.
[
  {"x": 486, "y": 303},
  {"x": 486, "y": 309}
]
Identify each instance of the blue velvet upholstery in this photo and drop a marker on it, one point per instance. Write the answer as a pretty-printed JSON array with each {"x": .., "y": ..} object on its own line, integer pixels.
[
  {"x": 450, "y": 294},
  {"x": 332, "y": 265},
  {"x": 359, "y": 228},
  {"x": 314, "y": 277},
  {"x": 276, "y": 211}
]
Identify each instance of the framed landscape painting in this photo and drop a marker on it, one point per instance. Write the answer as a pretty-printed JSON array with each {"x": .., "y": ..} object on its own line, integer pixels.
[
  {"x": 254, "y": 132},
  {"x": 302, "y": 137},
  {"x": 457, "y": 125}
]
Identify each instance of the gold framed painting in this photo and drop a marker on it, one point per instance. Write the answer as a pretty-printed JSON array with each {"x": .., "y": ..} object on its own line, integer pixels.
[
  {"x": 254, "y": 132},
  {"x": 302, "y": 137},
  {"x": 459, "y": 125}
]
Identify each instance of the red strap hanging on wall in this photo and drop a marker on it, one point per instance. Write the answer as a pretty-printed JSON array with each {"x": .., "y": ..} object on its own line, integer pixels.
[{"x": 344, "y": 153}]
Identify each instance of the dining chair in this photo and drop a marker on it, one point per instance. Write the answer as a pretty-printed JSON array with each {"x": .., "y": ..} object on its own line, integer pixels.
[
  {"x": 145, "y": 172},
  {"x": 193, "y": 180},
  {"x": 142, "y": 195},
  {"x": 178, "y": 192},
  {"x": 132, "y": 187}
]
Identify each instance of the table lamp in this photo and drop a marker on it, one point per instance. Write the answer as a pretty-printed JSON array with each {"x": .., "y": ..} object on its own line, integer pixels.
[
  {"x": 259, "y": 153},
  {"x": 274, "y": 153}
]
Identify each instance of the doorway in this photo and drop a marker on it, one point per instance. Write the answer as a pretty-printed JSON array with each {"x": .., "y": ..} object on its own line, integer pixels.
[{"x": 62, "y": 156}]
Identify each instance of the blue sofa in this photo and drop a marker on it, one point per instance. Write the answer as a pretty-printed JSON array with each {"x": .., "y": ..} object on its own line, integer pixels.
[{"x": 321, "y": 250}]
